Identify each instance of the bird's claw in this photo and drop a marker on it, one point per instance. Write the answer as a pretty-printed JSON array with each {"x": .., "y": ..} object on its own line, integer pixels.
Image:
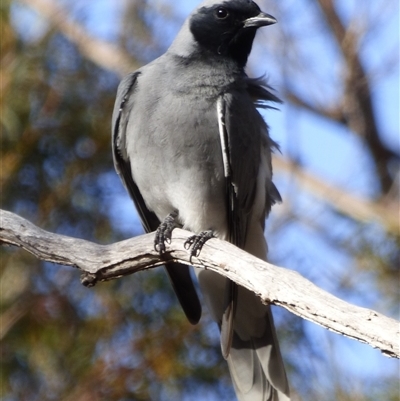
[
  {"x": 164, "y": 233},
  {"x": 195, "y": 243}
]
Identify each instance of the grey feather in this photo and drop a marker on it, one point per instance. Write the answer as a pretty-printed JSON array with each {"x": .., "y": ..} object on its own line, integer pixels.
[{"x": 188, "y": 139}]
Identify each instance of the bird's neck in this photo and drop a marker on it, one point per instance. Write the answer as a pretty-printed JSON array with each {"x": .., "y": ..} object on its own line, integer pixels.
[{"x": 232, "y": 55}]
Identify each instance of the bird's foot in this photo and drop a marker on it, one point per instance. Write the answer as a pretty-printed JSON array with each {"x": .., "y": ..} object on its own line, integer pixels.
[
  {"x": 195, "y": 242},
  {"x": 164, "y": 232}
]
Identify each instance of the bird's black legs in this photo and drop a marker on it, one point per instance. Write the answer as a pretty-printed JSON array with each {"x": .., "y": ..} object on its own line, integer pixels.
[
  {"x": 195, "y": 242},
  {"x": 164, "y": 232}
]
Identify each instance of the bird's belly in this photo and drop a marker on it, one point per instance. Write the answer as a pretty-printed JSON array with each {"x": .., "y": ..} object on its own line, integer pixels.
[{"x": 184, "y": 169}]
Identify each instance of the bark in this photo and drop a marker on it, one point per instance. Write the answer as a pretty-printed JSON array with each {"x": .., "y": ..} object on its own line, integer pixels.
[{"x": 272, "y": 284}]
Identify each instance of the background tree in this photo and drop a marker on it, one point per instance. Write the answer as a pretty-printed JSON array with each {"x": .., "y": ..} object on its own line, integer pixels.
[{"x": 335, "y": 63}]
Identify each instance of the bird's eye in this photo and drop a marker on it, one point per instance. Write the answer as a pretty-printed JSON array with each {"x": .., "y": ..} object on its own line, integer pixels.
[{"x": 221, "y": 13}]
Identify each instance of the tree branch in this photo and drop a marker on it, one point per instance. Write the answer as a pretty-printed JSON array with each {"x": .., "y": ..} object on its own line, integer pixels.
[
  {"x": 355, "y": 207},
  {"x": 357, "y": 106},
  {"x": 105, "y": 55},
  {"x": 334, "y": 113},
  {"x": 272, "y": 284}
]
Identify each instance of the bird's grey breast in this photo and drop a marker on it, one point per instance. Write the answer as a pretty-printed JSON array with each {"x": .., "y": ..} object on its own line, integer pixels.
[{"x": 173, "y": 140}]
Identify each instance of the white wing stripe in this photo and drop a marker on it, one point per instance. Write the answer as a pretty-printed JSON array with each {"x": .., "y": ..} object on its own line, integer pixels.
[{"x": 223, "y": 136}]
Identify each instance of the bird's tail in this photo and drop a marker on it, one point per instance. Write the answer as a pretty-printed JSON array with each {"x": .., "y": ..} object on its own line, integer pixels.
[{"x": 255, "y": 361}]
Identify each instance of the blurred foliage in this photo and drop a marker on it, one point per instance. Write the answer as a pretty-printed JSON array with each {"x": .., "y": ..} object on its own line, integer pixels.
[
  {"x": 62, "y": 341},
  {"x": 125, "y": 340}
]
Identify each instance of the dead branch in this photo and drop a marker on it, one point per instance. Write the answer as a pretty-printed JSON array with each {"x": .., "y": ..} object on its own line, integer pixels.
[
  {"x": 357, "y": 104},
  {"x": 351, "y": 205},
  {"x": 105, "y": 55},
  {"x": 272, "y": 284}
]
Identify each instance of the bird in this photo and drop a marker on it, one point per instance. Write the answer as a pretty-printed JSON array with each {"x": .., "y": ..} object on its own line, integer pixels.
[{"x": 193, "y": 151}]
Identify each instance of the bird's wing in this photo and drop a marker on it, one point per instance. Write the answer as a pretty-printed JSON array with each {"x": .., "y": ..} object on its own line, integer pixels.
[
  {"x": 123, "y": 106},
  {"x": 178, "y": 274},
  {"x": 254, "y": 359},
  {"x": 235, "y": 216}
]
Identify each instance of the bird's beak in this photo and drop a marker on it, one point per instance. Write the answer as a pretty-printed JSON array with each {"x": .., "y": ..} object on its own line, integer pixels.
[{"x": 260, "y": 20}]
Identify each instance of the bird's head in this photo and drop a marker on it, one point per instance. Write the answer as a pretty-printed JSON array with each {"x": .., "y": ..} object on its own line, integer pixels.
[{"x": 224, "y": 28}]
